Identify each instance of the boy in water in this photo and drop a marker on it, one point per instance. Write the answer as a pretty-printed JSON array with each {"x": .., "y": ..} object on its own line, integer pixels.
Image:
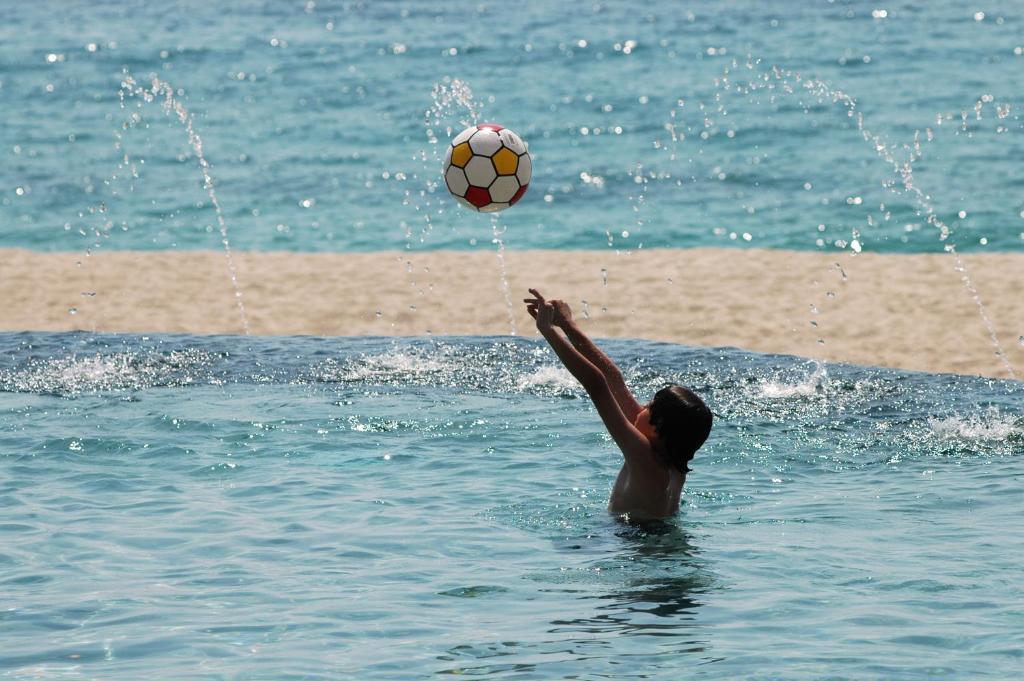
[{"x": 657, "y": 439}]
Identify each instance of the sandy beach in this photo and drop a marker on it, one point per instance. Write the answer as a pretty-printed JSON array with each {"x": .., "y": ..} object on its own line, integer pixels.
[{"x": 906, "y": 311}]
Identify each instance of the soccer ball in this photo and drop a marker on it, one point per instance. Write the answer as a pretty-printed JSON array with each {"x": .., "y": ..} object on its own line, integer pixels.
[{"x": 487, "y": 167}]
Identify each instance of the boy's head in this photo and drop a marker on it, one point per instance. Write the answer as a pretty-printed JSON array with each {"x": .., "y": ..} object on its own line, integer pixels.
[{"x": 682, "y": 423}]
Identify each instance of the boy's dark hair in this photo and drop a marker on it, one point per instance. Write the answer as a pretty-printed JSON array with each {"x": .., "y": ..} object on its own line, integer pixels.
[{"x": 683, "y": 423}]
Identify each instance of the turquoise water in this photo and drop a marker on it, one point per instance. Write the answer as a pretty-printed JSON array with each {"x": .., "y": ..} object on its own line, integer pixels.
[
  {"x": 312, "y": 118},
  {"x": 214, "y": 507},
  {"x": 226, "y": 507}
]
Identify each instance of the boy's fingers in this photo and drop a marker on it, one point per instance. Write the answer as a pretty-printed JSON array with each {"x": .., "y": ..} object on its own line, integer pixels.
[{"x": 537, "y": 294}]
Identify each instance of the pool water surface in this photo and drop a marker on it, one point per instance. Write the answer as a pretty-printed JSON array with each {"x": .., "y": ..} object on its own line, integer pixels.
[{"x": 212, "y": 507}]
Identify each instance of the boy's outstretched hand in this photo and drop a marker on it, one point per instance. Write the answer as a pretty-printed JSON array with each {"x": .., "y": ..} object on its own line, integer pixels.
[{"x": 548, "y": 313}]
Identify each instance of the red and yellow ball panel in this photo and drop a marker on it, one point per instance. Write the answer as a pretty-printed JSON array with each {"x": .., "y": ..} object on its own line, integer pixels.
[{"x": 487, "y": 167}]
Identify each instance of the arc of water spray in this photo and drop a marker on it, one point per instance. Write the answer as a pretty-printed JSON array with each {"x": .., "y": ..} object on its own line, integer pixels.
[
  {"x": 506, "y": 291},
  {"x": 447, "y": 97},
  {"x": 904, "y": 171},
  {"x": 160, "y": 88}
]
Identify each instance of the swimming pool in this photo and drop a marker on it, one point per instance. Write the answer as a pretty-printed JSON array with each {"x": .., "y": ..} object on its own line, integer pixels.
[{"x": 392, "y": 508}]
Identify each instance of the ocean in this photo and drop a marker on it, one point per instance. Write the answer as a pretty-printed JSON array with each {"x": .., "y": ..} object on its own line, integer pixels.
[{"x": 741, "y": 124}]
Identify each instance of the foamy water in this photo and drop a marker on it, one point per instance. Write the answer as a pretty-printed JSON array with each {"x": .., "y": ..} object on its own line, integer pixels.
[
  {"x": 550, "y": 377},
  {"x": 75, "y": 375},
  {"x": 775, "y": 389},
  {"x": 991, "y": 425}
]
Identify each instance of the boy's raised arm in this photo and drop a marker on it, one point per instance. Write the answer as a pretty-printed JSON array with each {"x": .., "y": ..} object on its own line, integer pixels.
[
  {"x": 634, "y": 445},
  {"x": 616, "y": 383},
  {"x": 581, "y": 341}
]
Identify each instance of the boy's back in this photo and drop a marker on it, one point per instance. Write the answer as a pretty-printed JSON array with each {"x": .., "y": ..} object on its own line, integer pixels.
[{"x": 644, "y": 497}]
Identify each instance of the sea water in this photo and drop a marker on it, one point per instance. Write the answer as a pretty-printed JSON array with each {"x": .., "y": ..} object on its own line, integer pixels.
[
  {"x": 643, "y": 127},
  {"x": 232, "y": 507}
]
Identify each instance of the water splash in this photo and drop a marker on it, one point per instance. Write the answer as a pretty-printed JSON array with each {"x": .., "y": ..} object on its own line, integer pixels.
[
  {"x": 992, "y": 425},
  {"x": 638, "y": 199},
  {"x": 123, "y": 371},
  {"x": 159, "y": 89},
  {"x": 496, "y": 239},
  {"x": 548, "y": 379},
  {"x": 452, "y": 97},
  {"x": 392, "y": 367},
  {"x": 792, "y": 83},
  {"x": 776, "y": 389},
  {"x": 452, "y": 104}
]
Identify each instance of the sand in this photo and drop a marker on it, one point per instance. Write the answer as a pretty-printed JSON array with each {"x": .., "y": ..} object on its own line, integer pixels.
[{"x": 905, "y": 311}]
